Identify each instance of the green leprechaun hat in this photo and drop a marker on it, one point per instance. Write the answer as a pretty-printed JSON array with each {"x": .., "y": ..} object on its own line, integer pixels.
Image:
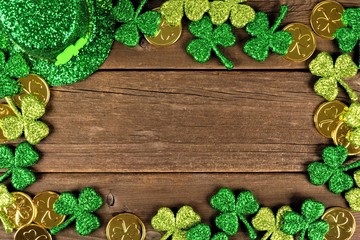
[{"x": 65, "y": 41}]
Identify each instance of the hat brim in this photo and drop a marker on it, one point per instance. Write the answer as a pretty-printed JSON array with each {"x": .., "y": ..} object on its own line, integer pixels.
[{"x": 89, "y": 59}]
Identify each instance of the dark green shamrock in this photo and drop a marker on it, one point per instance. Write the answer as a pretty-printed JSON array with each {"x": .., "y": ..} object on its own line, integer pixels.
[
  {"x": 231, "y": 210},
  {"x": 128, "y": 33},
  {"x": 208, "y": 39},
  {"x": 332, "y": 170},
  {"x": 265, "y": 38},
  {"x": 203, "y": 232},
  {"x": 308, "y": 221},
  {"x": 348, "y": 36},
  {"x": 16, "y": 67},
  {"x": 80, "y": 210},
  {"x": 25, "y": 156}
]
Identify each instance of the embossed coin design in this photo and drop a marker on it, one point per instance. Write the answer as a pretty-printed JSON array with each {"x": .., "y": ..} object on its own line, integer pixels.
[
  {"x": 22, "y": 211},
  {"x": 326, "y": 18},
  {"x": 339, "y": 137},
  {"x": 326, "y": 117},
  {"x": 125, "y": 226},
  {"x": 5, "y": 110},
  {"x": 303, "y": 45},
  {"x": 167, "y": 35},
  {"x": 341, "y": 222},
  {"x": 32, "y": 232},
  {"x": 35, "y": 85},
  {"x": 46, "y": 216}
]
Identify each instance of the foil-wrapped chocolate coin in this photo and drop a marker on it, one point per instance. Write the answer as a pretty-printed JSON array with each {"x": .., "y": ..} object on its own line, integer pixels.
[
  {"x": 125, "y": 226},
  {"x": 339, "y": 137},
  {"x": 32, "y": 232},
  {"x": 22, "y": 212},
  {"x": 341, "y": 222}
]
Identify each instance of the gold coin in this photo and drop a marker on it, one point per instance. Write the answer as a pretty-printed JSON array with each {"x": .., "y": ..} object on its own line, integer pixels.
[
  {"x": 326, "y": 18},
  {"x": 46, "y": 216},
  {"x": 32, "y": 232},
  {"x": 5, "y": 110},
  {"x": 22, "y": 211},
  {"x": 341, "y": 222},
  {"x": 35, "y": 85},
  {"x": 125, "y": 226},
  {"x": 327, "y": 115},
  {"x": 303, "y": 45},
  {"x": 167, "y": 35},
  {"x": 339, "y": 137}
]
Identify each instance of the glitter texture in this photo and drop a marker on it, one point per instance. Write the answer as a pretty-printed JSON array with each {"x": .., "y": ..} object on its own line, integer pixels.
[
  {"x": 323, "y": 66},
  {"x": 240, "y": 14},
  {"x": 353, "y": 196},
  {"x": 352, "y": 119},
  {"x": 348, "y": 36},
  {"x": 80, "y": 211},
  {"x": 165, "y": 221},
  {"x": 265, "y": 38},
  {"x": 203, "y": 232},
  {"x": 6, "y": 200},
  {"x": 173, "y": 10},
  {"x": 308, "y": 221},
  {"x": 25, "y": 156},
  {"x": 208, "y": 39}
]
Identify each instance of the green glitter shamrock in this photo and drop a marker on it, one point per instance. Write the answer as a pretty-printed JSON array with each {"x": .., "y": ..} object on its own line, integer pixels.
[
  {"x": 165, "y": 221},
  {"x": 348, "y": 36},
  {"x": 173, "y": 10},
  {"x": 265, "y": 220},
  {"x": 332, "y": 170},
  {"x": 353, "y": 196},
  {"x": 240, "y": 14},
  {"x": 323, "y": 66},
  {"x": 80, "y": 210},
  {"x": 208, "y": 39},
  {"x": 32, "y": 109},
  {"x": 351, "y": 118},
  {"x": 203, "y": 232},
  {"x": 232, "y": 210},
  {"x": 265, "y": 38},
  {"x": 4, "y": 41},
  {"x": 16, "y": 67},
  {"x": 6, "y": 200},
  {"x": 128, "y": 33},
  {"x": 307, "y": 222},
  {"x": 25, "y": 156}
]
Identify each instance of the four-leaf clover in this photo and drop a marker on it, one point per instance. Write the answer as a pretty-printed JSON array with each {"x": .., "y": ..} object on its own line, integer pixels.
[
  {"x": 323, "y": 66},
  {"x": 203, "y": 232},
  {"x": 353, "y": 196},
  {"x": 208, "y": 39},
  {"x": 80, "y": 210},
  {"x": 265, "y": 221},
  {"x": 231, "y": 210},
  {"x": 348, "y": 36},
  {"x": 32, "y": 109},
  {"x": 266, "y": 37},
  {"x": 6, "y": 200},
  {"x": 307, "y": 221},
  {"x": 25, "y": 156},
  {"x": 128, "y": 33},
  {"x": 165, "y": 221},
  {"x": 240, "y": 14},
  {"x": 332, "y": 170}
]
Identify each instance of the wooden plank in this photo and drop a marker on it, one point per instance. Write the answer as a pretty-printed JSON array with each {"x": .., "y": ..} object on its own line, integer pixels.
[
  {"x": 183, "y": 121},
  {"x": 143, "y": 194}
]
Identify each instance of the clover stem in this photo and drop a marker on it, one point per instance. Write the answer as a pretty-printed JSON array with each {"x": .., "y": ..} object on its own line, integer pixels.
[
  {"x": 62, "y": 226},
  {"x": 352, "y": 94},
  {"x": 283, "y": 11},
  {"x": 351, "y": 166},
  {"x": 167, "y": 235},
  {"x": 5, "y": 175},
  {"x": 252, "y": 233},
  {"x": 140, "y": 7},
  {"x": 13, "y": 106},
  {"x": 266, "y": 235},
  {"x": 6, "y": 221},
  {"x": 302, "y": 236},
  {"x": 228, "y": 64}
]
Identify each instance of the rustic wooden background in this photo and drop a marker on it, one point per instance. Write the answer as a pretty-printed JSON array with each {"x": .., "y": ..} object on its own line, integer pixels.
[{"x": 153, "y": 128}]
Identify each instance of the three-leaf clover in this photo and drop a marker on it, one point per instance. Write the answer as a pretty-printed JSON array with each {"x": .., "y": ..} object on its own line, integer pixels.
[
  {"x": 165, "y": 221},
  {"x": 307, "y": 221},
  {"x": 32, "y": 109},
  {"x": 348, "y": 36},
  {"x": 25, "y": 156},
  {"x": 133, "y": 22},
  {"x": 203, "y": 232},
  {"x": 265, "y": 220},
  {"x": 80, "y": 211},
  {"x": 12, "y": 69},
  {"x": 353, "y": 196},
  {"x": 208, "y": 39},
  {"x": 173, "y": 10},
  {"x": 266, "y": 37},
  {"x": 323, "y": 66},
  {"x": 6, "y": 200},
  {"x": 240, "y": 14},
  {"x": 231, "y": 210},
  {"x": 351, "y": 118},
  {"x": 332, "y": 170}
]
